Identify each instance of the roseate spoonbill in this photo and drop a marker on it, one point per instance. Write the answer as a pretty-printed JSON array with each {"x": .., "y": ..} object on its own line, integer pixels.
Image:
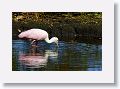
[{"x": 38, "y": 34}]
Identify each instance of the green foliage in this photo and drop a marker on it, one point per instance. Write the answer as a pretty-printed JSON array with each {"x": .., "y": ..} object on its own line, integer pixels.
[{"x": 49, "y": 18}]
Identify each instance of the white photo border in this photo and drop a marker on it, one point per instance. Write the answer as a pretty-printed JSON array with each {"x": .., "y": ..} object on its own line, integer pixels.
[{"x": 104, "y": 76}]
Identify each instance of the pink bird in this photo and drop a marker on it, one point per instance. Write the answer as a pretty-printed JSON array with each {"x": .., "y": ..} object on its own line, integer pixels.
[{"x": 38, "y": 34}]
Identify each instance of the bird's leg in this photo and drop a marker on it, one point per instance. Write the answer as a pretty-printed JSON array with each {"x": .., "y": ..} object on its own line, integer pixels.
[{"x": 33, "y": 42}]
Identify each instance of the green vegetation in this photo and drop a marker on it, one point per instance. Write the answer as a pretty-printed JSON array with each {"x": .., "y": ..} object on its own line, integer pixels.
[{"x": 66, "y": 25}]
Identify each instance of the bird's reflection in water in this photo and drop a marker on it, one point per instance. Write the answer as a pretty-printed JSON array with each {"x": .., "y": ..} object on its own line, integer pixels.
[{"x": 36, "y": 59}]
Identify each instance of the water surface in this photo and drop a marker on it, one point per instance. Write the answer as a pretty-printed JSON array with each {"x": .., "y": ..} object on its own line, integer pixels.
[{"x": 69, "y": 56}]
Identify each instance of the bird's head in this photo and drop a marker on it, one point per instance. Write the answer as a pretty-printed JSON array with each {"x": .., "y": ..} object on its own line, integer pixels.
[{"x": 55, "y": 40}]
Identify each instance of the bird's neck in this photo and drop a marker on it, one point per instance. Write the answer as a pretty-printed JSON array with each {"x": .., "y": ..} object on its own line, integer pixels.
[{"x": 48, "y": 40}]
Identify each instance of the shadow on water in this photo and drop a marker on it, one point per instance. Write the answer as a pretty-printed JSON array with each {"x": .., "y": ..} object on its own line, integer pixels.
[{"x": 69, "y": 56}]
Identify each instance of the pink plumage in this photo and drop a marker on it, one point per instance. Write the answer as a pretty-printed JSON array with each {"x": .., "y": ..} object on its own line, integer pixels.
[{"x": 36, "y": 34}]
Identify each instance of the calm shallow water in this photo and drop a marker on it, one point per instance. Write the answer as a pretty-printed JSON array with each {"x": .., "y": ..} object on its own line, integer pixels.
[{"x": 69, "y": 56}]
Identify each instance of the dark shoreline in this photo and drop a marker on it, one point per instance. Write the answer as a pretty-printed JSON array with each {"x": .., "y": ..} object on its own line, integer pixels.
[
  {"x": 67, "y": 26},
  {"x": 83, "y": 39}
]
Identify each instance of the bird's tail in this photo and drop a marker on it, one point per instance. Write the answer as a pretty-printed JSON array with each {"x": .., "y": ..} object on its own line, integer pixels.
[{"x": 19, "y": 31}]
